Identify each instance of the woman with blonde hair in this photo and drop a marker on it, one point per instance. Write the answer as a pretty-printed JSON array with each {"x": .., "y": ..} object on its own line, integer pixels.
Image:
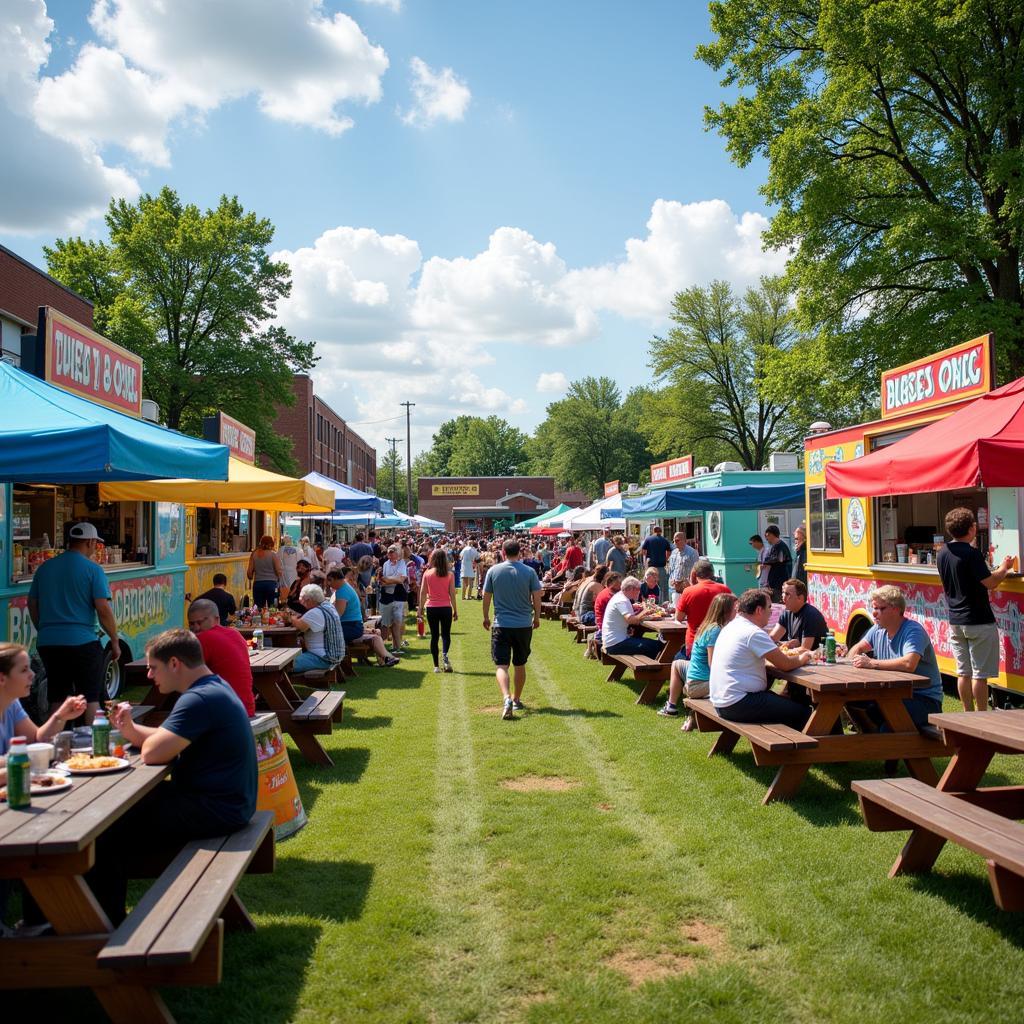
[
  {"x": 16, "y": 677},
  {"x": 695, "y": 674}
]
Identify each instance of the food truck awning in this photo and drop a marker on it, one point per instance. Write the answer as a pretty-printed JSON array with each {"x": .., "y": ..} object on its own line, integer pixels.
[
  {"x": 681, "y": 500},
  {"x": 349, "y": 499},
  {"x": 980, "y": 445},
  {"x": 247, "y": 486},
  {"x": 51, "y": 436},
  {"x": 539, "y": 520}
]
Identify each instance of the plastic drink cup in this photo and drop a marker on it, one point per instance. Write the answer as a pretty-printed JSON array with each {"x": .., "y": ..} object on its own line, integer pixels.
[{"x": 40, "y": 755}]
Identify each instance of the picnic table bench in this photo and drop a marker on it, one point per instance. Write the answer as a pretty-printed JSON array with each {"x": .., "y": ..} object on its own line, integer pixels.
[
  {"x": 652, "y": 672},
  {"x": 831, "y": 689},
  {"x": 173, "y": 936},
  {"x": 981, "y": 819}
]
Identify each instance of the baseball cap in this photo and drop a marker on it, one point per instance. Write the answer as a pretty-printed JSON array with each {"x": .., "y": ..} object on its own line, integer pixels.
[{"x": 84, "y": 531}]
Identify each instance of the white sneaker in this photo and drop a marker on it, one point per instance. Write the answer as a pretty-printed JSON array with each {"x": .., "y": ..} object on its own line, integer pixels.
[{"x": 437, "y": 671}]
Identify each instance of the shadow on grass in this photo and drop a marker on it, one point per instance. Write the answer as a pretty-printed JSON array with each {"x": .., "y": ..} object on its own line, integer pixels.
[
  {"x": 574, "y": 713},
  {"x": 349, "y": 765},
  {"x": 334, "y": 889},
  {"x": 971, "y": 895},
  {"x": 353, "y": 720}
]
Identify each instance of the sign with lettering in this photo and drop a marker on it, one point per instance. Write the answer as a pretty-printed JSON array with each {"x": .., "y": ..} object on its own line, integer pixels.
[
  {"x": 610, "y": 488},
  {"x": 952, "y": 375},
  {"x": 83, "y": 362},
  {"x": 454, "y": 490},
  {"x": 238, "y": 437},
  {"x": 674, "y": 469}
]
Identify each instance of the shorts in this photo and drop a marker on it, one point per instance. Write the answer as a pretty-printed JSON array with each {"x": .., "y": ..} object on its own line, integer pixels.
[
  {"x": 352, "y": 630},
  {"x": 511, "y": 646},
  {"x": 392, "y": 614},
  {"x": 73, "y": 669},
  {"x": 976, "y": 650}
]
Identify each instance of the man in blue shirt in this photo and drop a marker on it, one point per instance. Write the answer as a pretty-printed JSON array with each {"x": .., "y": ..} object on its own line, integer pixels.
[
  {"x": 212, "y": 790},
  {"x": 898, "y": 644},
  {"x": 515, "y": 589},
  {"x": 67, "y": 594}
]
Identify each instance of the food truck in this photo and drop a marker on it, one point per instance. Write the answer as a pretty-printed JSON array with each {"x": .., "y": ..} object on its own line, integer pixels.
[
  {"x": 890, "y": 536},
  {"x": 722, "y": 534},
  {"x": 62, "y": 441}
]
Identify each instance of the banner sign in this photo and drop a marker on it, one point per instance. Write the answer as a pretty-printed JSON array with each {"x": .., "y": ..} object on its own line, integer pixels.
[
  {"x": 952, "y": 375},
  {"x": 674, "y": 469},
  {"x": 611, "y": 488},
  {"x": 83, "y": 362},
  {"x": 454, "y": 490},
  {"x": 238, "y": 437}
]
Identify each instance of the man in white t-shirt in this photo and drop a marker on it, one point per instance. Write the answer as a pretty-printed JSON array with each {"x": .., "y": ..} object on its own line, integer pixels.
[
  {"x": 739, "y": 683},
  {"x": 468, "y": 556},
  {"x": 619, "y": 616},
  {"x": 333, "y": 555}
]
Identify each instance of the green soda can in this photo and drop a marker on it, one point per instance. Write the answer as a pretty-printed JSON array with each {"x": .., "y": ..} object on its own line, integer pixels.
[
  {"x": 100, "y": 735},
  {"x": 19, "y": 775},
  {"x": 830, "y": 648}
]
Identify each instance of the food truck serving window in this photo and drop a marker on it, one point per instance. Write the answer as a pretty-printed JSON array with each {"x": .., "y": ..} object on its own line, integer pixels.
[
  {"x": 226, "y": 531},
  {"x": 826, "y": 521},
  {"x": 911, "y": 526},
  {"x": 43, "y": 514}
]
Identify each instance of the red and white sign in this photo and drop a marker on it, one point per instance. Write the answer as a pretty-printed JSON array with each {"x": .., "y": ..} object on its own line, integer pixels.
[
  {"x": 238, "y": 437},
  {"x": 84, "y": 362},
  {"x": 610, "y": 488},
  {"x": 952, "y": 375},
  {"x": 674, "y": 469}
]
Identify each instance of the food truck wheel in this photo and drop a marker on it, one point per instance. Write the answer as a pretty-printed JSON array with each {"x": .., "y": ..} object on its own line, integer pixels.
[{"x": 113, "y": 677}]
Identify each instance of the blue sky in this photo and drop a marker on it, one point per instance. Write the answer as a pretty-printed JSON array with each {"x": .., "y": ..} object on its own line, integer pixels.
[{"x": 466, "y": 245}]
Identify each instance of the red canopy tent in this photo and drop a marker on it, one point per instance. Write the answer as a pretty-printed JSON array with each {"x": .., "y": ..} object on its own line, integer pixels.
[
  {"x": 546, "y": 531},
  {"x": 980, "y": 445}
]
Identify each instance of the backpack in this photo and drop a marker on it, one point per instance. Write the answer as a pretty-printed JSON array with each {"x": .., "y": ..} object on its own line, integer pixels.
[{"x": 334, "y": 636}]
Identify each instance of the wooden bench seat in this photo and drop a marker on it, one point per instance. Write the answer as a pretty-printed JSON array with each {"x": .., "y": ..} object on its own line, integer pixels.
[
  {"x": 891, "y": 805},
  {"x": 190, "y": 903},
  {"x": 763, "y": 738},
  {"x": 649, "y": 671},
  {"x": 582, "y": 632},
  {"x": 326, "y": 677},
  {"x": 322, "y": 706}
]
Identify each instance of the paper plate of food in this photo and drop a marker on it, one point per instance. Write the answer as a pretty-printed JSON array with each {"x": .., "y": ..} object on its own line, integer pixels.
[
  {"x": 42, "y": 785},
  {"x": 88, "y": 764}
]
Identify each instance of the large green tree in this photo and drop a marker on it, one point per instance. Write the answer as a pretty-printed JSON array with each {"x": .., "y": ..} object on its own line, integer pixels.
[
  {"x": 592, "y": 436},
  {"x": 488, "y": 447},
  {"x": 716, "y": 366},
  {"x": 194, "y": 294},
  {"x": 439, "y": 455},
  {"x": 893, "y": 133}
]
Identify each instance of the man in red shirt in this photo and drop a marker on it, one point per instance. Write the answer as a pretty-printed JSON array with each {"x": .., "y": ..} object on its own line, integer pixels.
[
  {"x": 573, "y": 555},
  {"x": 612, "y": 583},
  {"x": 224, "y": 650},
  {"x": 694, "y": 601}
]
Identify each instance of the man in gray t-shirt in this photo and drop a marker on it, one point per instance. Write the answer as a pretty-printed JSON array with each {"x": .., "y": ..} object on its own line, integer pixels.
[{"x": 515, "y": 590}]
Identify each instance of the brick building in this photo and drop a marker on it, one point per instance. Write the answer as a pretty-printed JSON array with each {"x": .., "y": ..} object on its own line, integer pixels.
[
  {"x": 23, "y": 289},
  {"x": 477, "y": 502},
  {"x": 322, "y": 442}
]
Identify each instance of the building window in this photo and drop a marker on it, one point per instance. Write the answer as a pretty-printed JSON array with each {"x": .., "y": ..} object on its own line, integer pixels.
[{"x": 826, "y": 521}]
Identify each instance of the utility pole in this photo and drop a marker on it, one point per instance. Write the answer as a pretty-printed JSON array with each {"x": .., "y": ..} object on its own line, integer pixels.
[
  {"x": 394, "y": 469},
  {"x": 408, "y": 458}
]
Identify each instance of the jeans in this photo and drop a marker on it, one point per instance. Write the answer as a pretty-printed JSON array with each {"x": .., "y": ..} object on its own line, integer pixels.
[
  {"x": 264, "y": 592},
  {"x": 767, "y": 707},
  {"x": 587, "y": 618},
  {"x": 440, "y": 621},
  {"x": 636, "y": 645},
  {"x": 919, "y": 708},
  {"x": 309, "y": 662}
]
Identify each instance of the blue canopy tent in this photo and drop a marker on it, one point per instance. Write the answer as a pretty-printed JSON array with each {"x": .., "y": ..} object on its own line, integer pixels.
[
  {"x": 350, "y": 499},
  {"x": 681, "y": 500},
  {"x": 53, "y": 437}
]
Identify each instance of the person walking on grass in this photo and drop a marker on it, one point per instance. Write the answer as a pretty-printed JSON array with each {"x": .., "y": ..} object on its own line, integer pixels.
[
  {"x": 437, "y": 597},
  {"x": 516, "y": 592},
  {"x": 467, "y": 557}
]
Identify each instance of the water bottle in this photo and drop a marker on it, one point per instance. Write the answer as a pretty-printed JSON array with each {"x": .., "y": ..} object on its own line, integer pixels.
[
  {"x": 19, "y": 774},
  {"x": 100, "y": 735},
  {"x": 257, "y": 635},
  {"x": 830, "y": 648}
]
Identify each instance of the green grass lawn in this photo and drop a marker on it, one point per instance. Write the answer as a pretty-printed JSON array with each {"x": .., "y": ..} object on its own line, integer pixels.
[{"x": 622, "y": 876}]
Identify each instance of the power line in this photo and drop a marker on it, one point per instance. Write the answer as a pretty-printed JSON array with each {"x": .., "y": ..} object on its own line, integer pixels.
[{"x": 367, "y": 423}]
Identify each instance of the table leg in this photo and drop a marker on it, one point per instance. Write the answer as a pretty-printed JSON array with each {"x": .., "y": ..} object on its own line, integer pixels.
[
  {"x": 898, "y": 718},
  {"x": 672, "y": 646},
  {"x": 789, "y": 778},
  {"x": 69, "y": 905},
  {"x": 270, "y": 689}
]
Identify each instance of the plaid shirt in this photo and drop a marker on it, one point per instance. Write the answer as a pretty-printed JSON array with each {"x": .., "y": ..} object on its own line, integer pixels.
[{"x": 681, "y": 563}]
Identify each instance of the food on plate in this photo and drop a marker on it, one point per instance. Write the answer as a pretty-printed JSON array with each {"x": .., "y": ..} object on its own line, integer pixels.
[
  {"x": 41, "y": 783},
  {"x": 88, "y": 763}
]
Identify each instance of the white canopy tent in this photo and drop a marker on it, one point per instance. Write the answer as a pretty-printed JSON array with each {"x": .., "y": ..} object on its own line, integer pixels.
[{"x": 589, "y": 518}]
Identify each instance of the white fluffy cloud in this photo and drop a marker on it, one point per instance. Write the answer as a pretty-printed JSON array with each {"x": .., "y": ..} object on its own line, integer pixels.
[
  {"x": 50, "y": 183},
  {"x": 437, "y": 95},
  {"x": 552, "y": 383},
  {"x": 394, "y": 5}
]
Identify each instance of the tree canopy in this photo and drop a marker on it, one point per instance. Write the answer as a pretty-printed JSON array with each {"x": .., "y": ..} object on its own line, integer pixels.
[
  {"x": 194, "y": 294},
  {"x": 474, "y": 446},
  {"x": 893, "y": 133}
]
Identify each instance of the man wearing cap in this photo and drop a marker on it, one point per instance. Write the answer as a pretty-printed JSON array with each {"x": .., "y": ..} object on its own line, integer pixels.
[{"x": 67, "y": 595}]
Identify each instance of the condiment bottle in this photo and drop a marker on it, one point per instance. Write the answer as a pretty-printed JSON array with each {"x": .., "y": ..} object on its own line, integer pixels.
[
  {"x": 19, "y": 774},
  {"x": 100, "y": 735}
]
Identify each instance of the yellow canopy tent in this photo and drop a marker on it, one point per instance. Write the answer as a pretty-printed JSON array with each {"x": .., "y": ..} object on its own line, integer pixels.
[{"x": 246, "y": 487}]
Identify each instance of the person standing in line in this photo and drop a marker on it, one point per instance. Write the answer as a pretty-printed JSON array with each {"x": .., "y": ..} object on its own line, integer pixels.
[
  {"x": 334, "y": 555},
  {"x": 973, "y": 633},
  {"x": 600, "y": 548},
  {"x": 618, "y": 556},
  {"x": 265, "y": 573},
  {"x": 800, "y": 554},
  {"x": 437, "y": 598},
  {"x": 656, "y": 551},
  {"x": 761, "y": 570},
  {"x": 516, "y": 592},
  {"x": 289, "y": 555},
  {"x": 681, "y": 562},
  {"x": 779, "y": 561},
  {"x": 67, "y": 595}
]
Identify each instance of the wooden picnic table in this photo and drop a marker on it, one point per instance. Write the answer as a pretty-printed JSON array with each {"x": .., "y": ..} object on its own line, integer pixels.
[
  {"x": 672, "y": 633},
  {"x": 274, "y": 692},
  {"x": 50, "y": 846},
  {"x": 275, "y": 636},
  {"x": 982, "y": 819},
  {"x": 831, "y": 689}
]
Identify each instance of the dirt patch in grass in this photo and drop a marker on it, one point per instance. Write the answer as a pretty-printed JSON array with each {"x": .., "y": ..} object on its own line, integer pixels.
[
  {"x": 604, "y": 807},
  {"x": 701, "y": 942},
  {"x": 539, "y": 783}
]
